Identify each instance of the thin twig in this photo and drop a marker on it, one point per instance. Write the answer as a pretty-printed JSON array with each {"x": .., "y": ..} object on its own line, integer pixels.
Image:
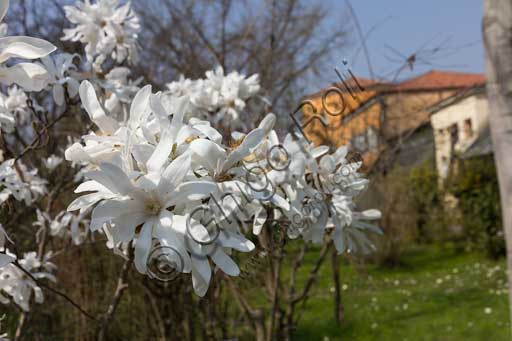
[
  {"x": 121, "y": 286},
  {"x": 34, "y": 144}
]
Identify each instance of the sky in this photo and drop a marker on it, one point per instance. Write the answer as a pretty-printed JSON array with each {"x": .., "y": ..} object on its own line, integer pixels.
[{"x": 405, "y": 26}]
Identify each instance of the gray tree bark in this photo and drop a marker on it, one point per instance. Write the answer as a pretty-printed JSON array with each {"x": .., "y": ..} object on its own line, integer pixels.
[{"x": 497, "y": 34}]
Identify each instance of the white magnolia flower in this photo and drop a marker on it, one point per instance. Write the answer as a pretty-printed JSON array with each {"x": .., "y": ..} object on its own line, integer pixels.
[
  {"x": 143, "y": 201},
  {"x": 29, "y": 188},
  {"x": 217, "y": 160},
  {"x": 64, "y": 224},
  {"x": 230, "y": 93},
  {"x": 5, "y": 258},
  {"x": 221, "y": 96},
  {"x": 59, "y": 68},
  {"x": 15, "y": 285},
  {"x": 106, "y": 28},
  {"x": 52, "y": 162},
  {"x": 30, "y": 76},
  {"x": 119, "y": 90},
  {"x": 13, "y": 109}
]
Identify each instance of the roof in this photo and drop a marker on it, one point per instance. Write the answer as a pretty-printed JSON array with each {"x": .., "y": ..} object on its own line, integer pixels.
[
  {"x": 457, "y": 97},
  {"x": 432, "y": 80},
  {"x": 366, "y": 83},
  {"x": 441, "y": 80}
]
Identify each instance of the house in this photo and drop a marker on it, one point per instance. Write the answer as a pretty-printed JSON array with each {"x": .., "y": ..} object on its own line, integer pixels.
[
  {"x": 461, "y": 129},
  {"x": 384, "y": 116}
]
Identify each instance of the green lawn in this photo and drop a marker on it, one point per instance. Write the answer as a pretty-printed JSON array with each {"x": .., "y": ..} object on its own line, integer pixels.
[{"x": 436, "y": 295}]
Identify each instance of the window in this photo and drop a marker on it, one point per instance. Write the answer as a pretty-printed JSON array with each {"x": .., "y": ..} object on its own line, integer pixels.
[
  {"x": 359, "y": 142},
  {"x": 468, "y": 129},
  {"x": 454, "y": 133},
  {"x": 373, "y": 139}
]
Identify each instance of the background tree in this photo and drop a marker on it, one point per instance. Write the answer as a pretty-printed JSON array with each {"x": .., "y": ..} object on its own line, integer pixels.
[{"x": 497, "y": 33}]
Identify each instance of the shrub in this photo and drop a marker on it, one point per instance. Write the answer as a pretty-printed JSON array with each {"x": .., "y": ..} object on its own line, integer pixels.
[{"x": 475, "y": 185}]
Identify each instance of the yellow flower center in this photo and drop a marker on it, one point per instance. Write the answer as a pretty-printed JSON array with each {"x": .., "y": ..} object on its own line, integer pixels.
[{"x": 153, "y": 207}]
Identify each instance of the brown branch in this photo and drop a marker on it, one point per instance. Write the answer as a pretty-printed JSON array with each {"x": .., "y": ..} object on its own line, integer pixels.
[
  {"x": 338, "y": 304},
  {"x": 121, "y": 286},
  {"x": 254, "y": 316},
  {"x": 42, "y": 132},
  {"x": 156, "y": 312},
  {"x": 291, "y": 291},
  {"x": 313, "y": 273}
]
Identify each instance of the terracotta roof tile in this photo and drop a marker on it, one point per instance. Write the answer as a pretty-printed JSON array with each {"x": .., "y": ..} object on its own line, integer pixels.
[
  {"x": 366, "y": 83},
  {"x": 441, "y": 79},
  {"x": 431, "y": 80}
]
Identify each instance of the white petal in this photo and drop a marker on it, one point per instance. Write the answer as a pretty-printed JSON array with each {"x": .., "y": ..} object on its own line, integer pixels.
[
  {"x": 125, "y": 225},
  {"x": 259, "y": 220},
  {"x": 168, "y": 234},
  {"x": 73, "y": 87},
  {"x": 90, "y": 186},
  {"x": 30, "y": 76},
  {"x": 106, "y": 211},
  {"x": 207, "y": 153},
  {"x": 372, "y": 214},
  {"x": 161, "y": 153},
  {"x": 5, "y": 259},
  {"x": 4, "y": 6},
  {"x": 24, "y": 47},
  {"x": 267, "y": 124},
  {"x": 94, "y": 109},
  {"x": 76, "y": 153},
  {"x": 190, "y": 191},
  {"x": 174, "y": 174},
  {"x": 251, "y": 141},
  {"x": 201, "y": 274},
  {"x": 225, "y": 263},
  {"x": 85, "y": 201},
  {"x": 143, "y": 246},
  {"x": 58, "y": 94},
  {"x": 235, "y": 241},
  {"x": 122, "y": 183},
  {"x": 140, "y": 106}
]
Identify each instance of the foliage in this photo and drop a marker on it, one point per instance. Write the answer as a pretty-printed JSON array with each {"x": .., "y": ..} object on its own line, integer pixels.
[
  {"x": 398, "y": 216},
  {"x": 475, "y": 185}
]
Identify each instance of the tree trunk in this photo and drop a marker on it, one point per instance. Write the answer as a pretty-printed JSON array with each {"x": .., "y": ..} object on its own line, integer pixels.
[
  {"x": 497, "y": 33},
  {"x": 338, "y": 304}
]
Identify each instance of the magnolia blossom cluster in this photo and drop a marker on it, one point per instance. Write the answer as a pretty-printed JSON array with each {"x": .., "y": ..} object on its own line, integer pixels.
[
  {"x": 156, "y": 177},
  {"x": 63, "y": 225},
  {"x": 18, "y": 65},
  {"x": 106, "y": 29},
  {"x": 13, "y": 109},
  {"x": 23, "y": 184},
  {"x": 30, "y": 76},
  {"x": 150, "y": 174},
  {"x": 219, "y": 97},
  {"x": 17, "y": 286}
]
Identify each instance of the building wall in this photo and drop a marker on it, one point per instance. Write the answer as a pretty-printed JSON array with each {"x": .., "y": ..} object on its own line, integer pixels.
[
  {"x": 408, "y": 110},
  {"x": 341, "y": 129},
  {"x": 379, "y": 118},
  {"x": 456, "y": 127}
]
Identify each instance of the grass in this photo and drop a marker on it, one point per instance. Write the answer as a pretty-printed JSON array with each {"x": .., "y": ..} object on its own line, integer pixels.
[{"x": 436, "y": 295}]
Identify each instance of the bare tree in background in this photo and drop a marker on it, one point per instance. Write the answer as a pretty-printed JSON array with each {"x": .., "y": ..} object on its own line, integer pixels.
[
  {"x": 285, "y": 42},
  {"x": 497, "y": 31},
  {"x": 288, "y": 43}
]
